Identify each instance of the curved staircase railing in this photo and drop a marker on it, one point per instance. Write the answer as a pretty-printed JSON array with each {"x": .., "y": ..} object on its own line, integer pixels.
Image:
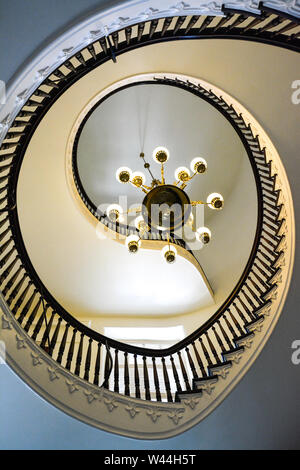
[{"x": 192, "y": 364}]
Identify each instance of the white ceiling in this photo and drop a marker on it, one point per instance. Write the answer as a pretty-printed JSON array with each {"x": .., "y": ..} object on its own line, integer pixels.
[
  {"x": 143, "y": 117},
  {"x": 93, "y": 278}
]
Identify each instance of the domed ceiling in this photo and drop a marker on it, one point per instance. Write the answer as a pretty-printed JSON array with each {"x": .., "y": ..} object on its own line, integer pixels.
[{"x": 143, "y": 117}]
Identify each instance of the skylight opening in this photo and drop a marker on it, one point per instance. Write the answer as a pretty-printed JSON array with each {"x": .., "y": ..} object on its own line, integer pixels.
[{"x": 170, "y": 334}]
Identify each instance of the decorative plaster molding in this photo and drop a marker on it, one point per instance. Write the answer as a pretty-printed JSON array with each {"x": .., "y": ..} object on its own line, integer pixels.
[
  {"x": 222, "y": 370},
  {"x": 111, "y": 404},
  {"x": 154, "y": 414},
  {"x": 246, "y": 342},
  {"x": 287, "y": 6},
  {"x": 72, "y": 387},
  {"x": 20, "y": 342},
  {"x": 36, "y": 359},
  {"x": 6, "y": 325},
  {"x": 176, "y": 415},
  {"x": 132, "y": 411},
  {"x": 191, "y": 402},
  {"x": 235, "y": 356},
  {"x": 105, "y": 22},
  {"x": 90, "y": 396},
  {"x": 53, "y": 375},
  {"x": 256, "y": 326},
  {"x": 209, "y": 385}
]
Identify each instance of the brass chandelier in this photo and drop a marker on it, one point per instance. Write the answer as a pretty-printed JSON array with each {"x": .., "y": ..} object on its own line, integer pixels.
[{"x": 165, "y": 207}]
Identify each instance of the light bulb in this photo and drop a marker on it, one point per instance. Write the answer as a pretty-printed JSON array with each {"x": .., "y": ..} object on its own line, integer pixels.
[
  {"x": 161, "y": 154},
  {"x": 203, "y": 234},
  {"x": 123, "y": 174},
  {"x": 215, "y": 201},
  {"x": 133, "y": 243},
  {"x": 198, "y": 165},
  {"x": 169, "y": 253},
  {"x": 182, "y": 174},
  {"x": 140, "y": 223},
  {"x": 114, "y": 213},
  {"x": 138, "y": 178}
]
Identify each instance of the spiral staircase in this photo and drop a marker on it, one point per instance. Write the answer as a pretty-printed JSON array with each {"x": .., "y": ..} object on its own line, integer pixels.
[{"x": 122, "y": 388}]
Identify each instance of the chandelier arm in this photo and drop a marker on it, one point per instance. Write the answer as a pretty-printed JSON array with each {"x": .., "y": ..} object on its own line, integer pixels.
[
  {"x": 142, "y": 232},
  {"x": 185, "y": 183},
  {"x": 139, "y": 187},
  {"x": 168, "y": 238},
  {"x": 134, "y": 209},
  {"x": 162, "y": 174},
  {"x": 195, "y": 203},
  {"x": 147, "y": 187}
]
